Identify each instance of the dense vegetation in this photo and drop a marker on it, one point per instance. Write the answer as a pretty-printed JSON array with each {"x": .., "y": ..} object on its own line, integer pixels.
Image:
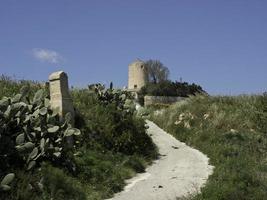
[
  {"x": 232, "y": 131},
  {"x": 112, "y": 122},
  {"x": 43, "y": 157},
  {"x": 169, "y": 88}
]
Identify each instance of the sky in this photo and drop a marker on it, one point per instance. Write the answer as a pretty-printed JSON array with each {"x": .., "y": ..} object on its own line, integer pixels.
[{"x": 218, "y": 44}]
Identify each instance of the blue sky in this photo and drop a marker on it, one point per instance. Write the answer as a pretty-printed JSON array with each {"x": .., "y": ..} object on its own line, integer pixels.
[{"x": 219, "y": 44}]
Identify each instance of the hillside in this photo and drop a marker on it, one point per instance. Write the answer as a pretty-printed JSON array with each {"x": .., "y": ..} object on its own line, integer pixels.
[
  {"x": 232, "y": 132},
  {"x": 43, "y": 157}
]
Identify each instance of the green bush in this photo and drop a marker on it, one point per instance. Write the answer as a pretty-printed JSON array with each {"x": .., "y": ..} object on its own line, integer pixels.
[
  {"x": 169, "y": 88},
  {"x": 111, "y": 122},
  {"x": 126, "y": 134}
]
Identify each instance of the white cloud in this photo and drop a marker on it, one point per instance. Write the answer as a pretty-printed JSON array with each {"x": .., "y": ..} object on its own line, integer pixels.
[{"x": 47, "y": 55}]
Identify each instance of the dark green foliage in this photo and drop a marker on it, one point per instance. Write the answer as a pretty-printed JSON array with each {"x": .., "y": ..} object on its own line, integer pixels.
[
  {"x": 232, "y": 132},
  {"x": 30, "y": 133},
  {"x": 261, "y": 114},
  {"x": 59, "y": 186},
  {"x": 105, "y": 171},
  {"x": 120, "y": 133},
  {"x": 111, "y": 121},
  {"x": 47, "y": 183},
  {"x": 25, "y": 186},
  {"x": 136, "y": 163},
  {"x": 169, "y": 88}
]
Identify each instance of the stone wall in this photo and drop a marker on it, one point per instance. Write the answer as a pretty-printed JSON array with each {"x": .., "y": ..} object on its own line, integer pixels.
[{"x": 152, "y": 100}]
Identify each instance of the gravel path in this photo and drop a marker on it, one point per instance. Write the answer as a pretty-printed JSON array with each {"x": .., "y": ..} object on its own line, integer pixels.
[{"x": 181, "y": 170}]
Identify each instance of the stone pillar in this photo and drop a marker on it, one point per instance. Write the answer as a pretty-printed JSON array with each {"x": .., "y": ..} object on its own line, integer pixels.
[{"x": 59, "y": 94}]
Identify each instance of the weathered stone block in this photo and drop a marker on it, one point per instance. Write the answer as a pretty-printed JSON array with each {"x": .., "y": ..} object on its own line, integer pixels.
[{"x": 60, "y": 98}]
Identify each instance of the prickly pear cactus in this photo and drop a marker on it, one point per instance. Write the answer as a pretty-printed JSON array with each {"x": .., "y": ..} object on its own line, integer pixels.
[
  {"x": 121, "y": 99},
  {"x": 31, "y": 132}
]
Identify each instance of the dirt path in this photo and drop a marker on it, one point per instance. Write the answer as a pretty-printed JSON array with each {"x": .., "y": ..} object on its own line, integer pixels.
[{"x": 179, "y": 171}]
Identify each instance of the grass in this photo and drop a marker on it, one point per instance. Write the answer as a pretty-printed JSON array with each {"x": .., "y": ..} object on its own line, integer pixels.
[
  {"x": 232, "y": 131},
  {"x": 103, "y": 174},
  {"x": 10, "y": 87}
]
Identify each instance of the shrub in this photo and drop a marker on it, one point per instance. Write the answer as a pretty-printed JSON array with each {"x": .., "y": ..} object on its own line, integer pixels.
[
  {"x": 169, "y": 88},
  {"x": 111, "y": 122}
]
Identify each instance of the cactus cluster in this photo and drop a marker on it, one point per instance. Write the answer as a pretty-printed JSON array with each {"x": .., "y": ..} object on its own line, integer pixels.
[
  {"x": 31, "y": 131},
  {"x": 5, "y": 183},
  {"x": 123, "y": 100}
]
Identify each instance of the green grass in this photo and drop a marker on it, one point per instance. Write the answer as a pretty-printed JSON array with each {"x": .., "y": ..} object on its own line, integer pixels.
[
  {"x": 232, "y": 131},
  {"x": 103, "y": 174},
  {"x": 10, "y": 87}
]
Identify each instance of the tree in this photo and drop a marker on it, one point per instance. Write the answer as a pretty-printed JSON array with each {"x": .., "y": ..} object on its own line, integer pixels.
[{"x": 156, "y": 71}]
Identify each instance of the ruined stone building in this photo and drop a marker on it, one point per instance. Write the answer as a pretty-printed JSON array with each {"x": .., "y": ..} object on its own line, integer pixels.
[{"x": 137, "y": 76}]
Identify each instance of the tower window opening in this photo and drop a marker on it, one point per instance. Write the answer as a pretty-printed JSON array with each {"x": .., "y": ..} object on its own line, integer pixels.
[{"x": 135, "y": 86}]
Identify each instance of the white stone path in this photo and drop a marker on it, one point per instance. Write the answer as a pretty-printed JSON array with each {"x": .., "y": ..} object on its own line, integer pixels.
[{"x": 180, "y": 170}]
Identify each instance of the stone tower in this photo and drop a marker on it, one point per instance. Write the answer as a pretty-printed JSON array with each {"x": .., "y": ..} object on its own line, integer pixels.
[{"x": 137, "y": 77}]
